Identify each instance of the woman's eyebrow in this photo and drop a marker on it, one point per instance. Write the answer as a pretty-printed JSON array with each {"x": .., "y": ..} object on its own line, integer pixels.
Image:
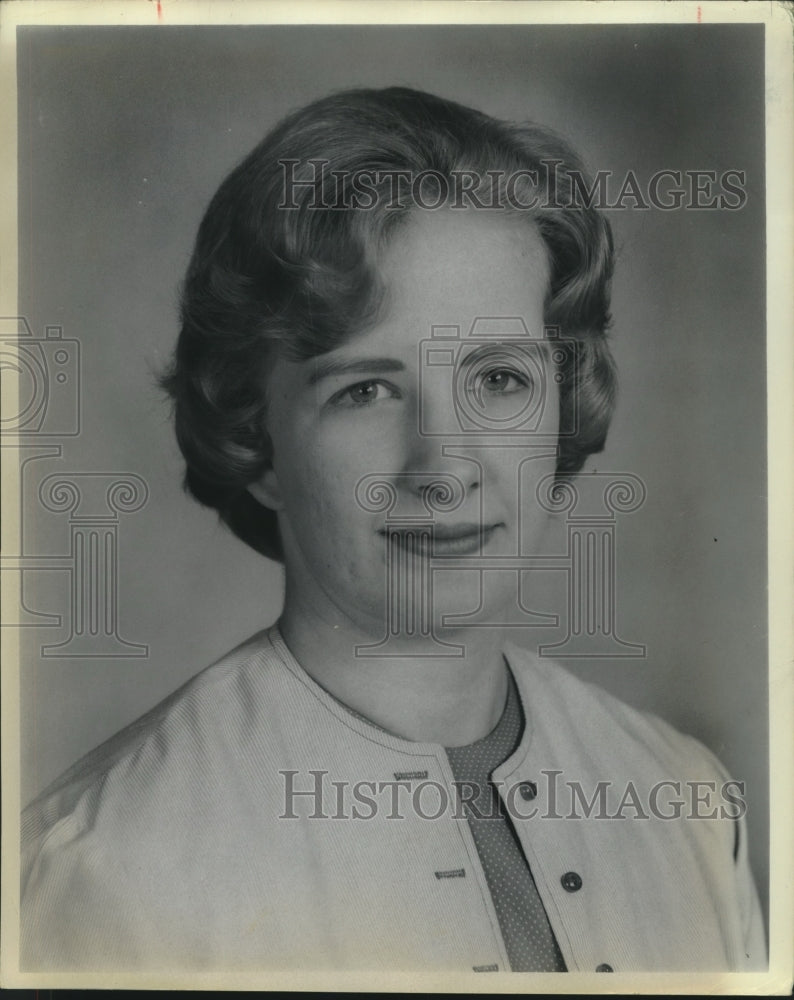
[
  {"x": 326, "y": 367},
  {"x": 479, "y": 349}
]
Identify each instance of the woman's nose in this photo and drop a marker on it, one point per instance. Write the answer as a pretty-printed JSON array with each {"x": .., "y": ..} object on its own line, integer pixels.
[{"x": 436, "y": 465}]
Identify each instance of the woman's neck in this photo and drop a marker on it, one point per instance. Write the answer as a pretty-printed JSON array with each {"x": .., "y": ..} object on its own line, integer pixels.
[{"x": 413, "y": 692}]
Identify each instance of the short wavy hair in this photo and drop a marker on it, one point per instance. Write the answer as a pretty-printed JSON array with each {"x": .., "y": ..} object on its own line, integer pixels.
[{"x": 304, "y": 278}]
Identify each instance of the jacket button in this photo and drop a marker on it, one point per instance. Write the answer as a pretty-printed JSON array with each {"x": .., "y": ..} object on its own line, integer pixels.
[
  {"x": 528, "y": 790},
  {"x": 604, "y": 967},
  {"x": 571, "y": 882}
]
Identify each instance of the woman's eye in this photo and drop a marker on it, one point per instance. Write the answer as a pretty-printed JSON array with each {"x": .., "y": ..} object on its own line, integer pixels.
[
  {"x": 365, "y": 393},
  {"x": 502, "y": 381}
]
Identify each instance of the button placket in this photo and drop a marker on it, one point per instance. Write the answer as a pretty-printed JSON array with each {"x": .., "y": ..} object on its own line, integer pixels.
[
  {"x": 472, "y": 874},
  {"x": 571, "y": 881},
  {"x": 528, "y": 790}
]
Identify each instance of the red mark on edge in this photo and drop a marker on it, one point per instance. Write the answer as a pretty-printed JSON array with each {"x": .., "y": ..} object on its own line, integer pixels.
[
  {"x": 159, "y": 10},
  {"x": 699, "y": 11}
]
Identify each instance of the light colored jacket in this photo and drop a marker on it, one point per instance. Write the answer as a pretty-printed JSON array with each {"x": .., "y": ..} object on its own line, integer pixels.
[{"x": 184, "y": 842}]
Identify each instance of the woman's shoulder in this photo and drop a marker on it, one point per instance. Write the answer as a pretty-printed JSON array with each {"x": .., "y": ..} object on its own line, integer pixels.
[
  {"x": 165, "y": 745},
  {"x": 562, "y": 703}
]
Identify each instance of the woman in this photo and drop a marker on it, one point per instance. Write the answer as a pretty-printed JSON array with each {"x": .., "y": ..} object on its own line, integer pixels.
[{"x": 393, "y": 342}]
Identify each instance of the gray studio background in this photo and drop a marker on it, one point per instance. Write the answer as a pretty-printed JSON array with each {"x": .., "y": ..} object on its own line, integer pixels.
[{"x": 124, "y": 134}]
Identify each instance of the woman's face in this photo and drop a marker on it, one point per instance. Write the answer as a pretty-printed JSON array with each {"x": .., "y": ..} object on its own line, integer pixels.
[{"x": 448, "y": 387}]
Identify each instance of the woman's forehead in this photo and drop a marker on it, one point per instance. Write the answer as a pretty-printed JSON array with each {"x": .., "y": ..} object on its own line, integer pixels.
[{"x": 456, "y": 266}]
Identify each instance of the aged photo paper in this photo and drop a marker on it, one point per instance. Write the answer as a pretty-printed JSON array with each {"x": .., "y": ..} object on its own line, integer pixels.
[{"x": 630, "y": 541}]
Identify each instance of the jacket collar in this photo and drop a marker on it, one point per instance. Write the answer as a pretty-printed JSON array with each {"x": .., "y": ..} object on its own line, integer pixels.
[{"x": 520, "y": 663}]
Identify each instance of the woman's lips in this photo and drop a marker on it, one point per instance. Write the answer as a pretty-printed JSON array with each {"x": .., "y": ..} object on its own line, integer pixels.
[{"x": 447, "y": 539}]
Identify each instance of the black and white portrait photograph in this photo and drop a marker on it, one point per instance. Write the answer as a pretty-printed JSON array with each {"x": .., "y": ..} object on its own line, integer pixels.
[{"x": 396, "y": 446}]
